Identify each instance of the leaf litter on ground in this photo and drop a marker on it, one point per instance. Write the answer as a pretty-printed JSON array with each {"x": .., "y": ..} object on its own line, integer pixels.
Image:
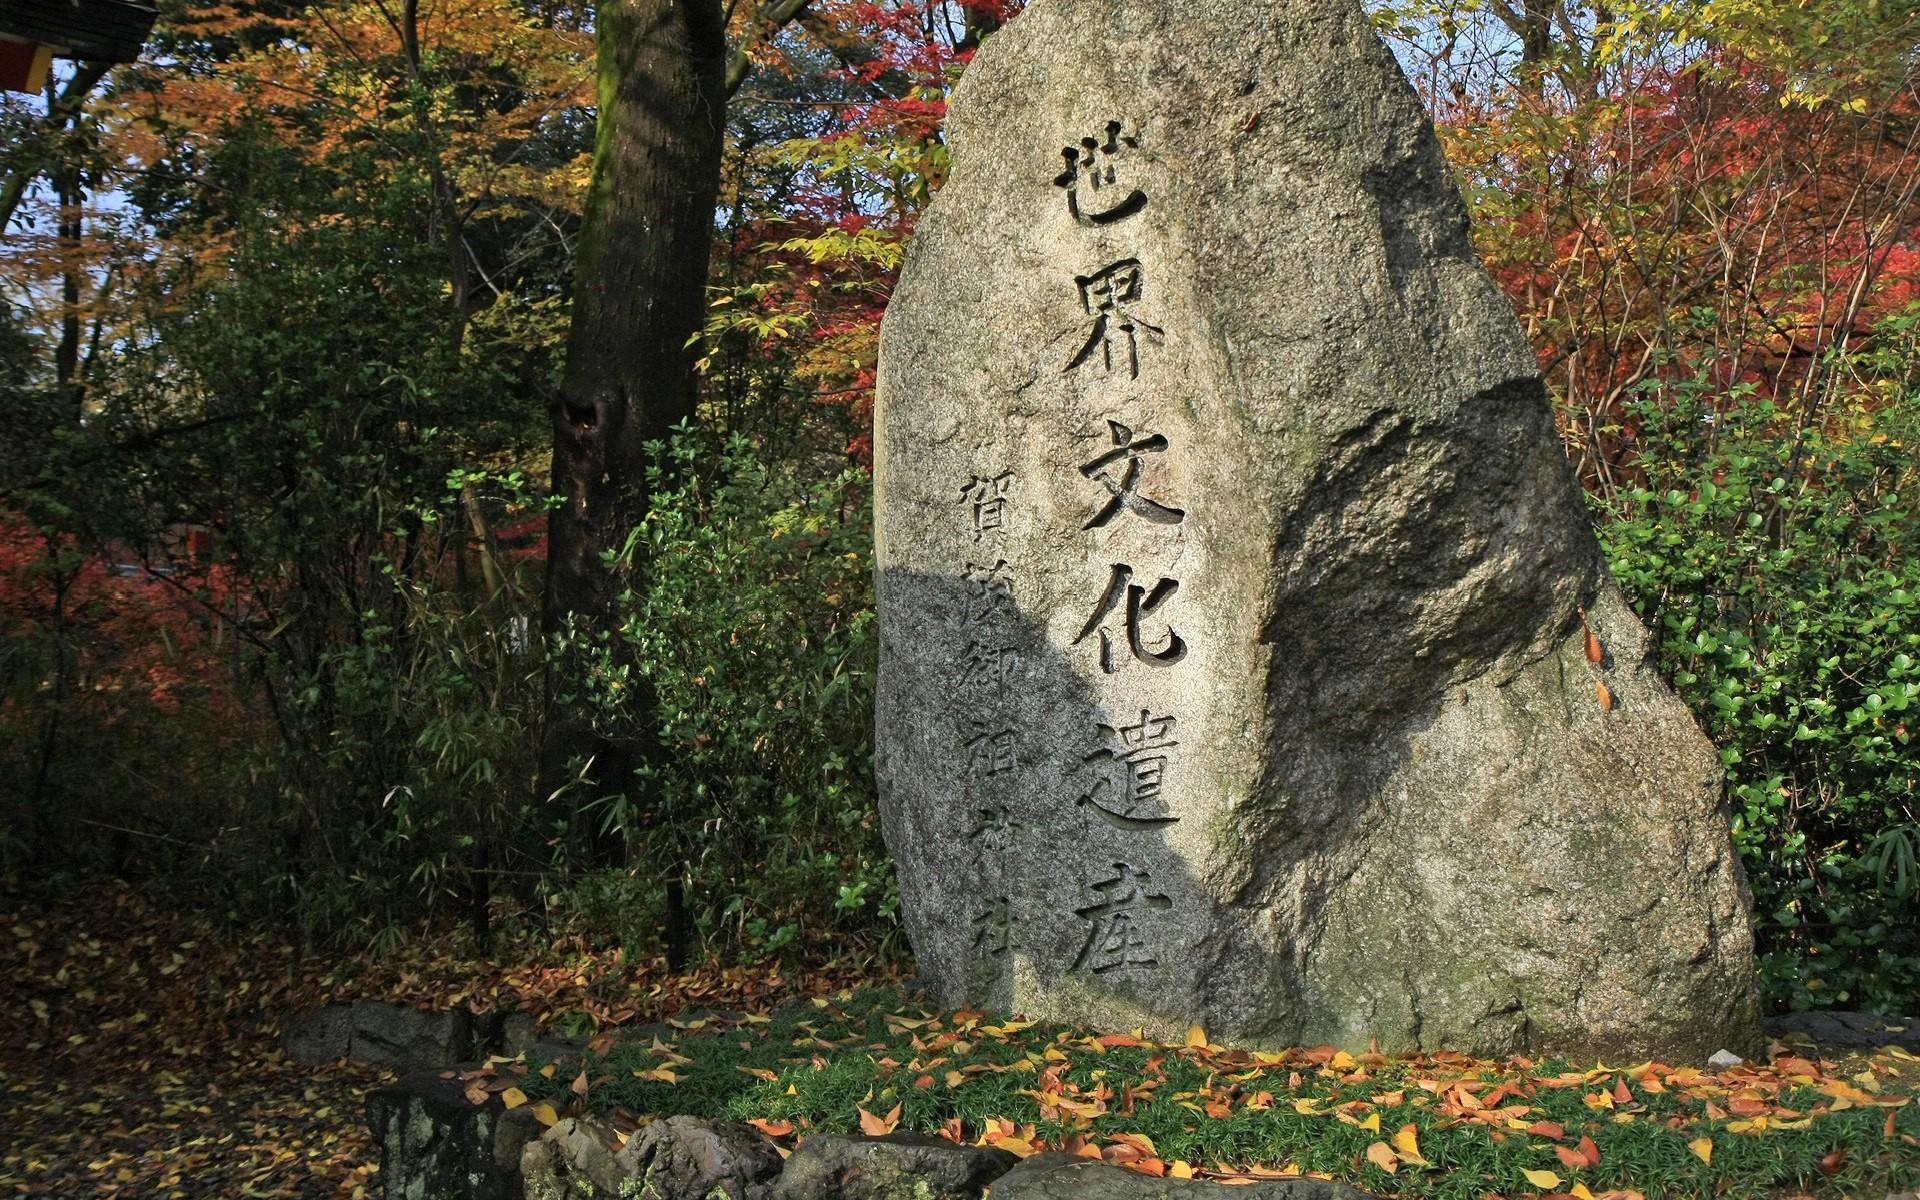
[
  {"x": 147, "y": 1062},
  {"x": 1437, "y": 1124},
  {"x": 142, "y": 1052}
]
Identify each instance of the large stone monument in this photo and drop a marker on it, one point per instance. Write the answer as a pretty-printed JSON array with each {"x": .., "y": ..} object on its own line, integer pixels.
[{"x": 1235, "y": 594}]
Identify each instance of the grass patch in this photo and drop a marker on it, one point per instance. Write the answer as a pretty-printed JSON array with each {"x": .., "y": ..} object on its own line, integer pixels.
[{"x": 1439, "y": 1125}]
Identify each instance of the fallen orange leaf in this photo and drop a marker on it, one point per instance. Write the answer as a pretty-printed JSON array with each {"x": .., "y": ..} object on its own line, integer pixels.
[{"x": 1381, "y": 1155}]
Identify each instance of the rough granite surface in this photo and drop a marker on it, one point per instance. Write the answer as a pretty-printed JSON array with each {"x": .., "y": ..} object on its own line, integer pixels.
[
  {"x": 1231, "y": 576},
  {"x": 1065, "y": 1177}
]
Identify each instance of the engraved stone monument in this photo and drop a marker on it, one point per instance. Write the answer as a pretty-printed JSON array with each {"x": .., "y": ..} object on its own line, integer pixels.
[{"x": 1235, "y": 593}]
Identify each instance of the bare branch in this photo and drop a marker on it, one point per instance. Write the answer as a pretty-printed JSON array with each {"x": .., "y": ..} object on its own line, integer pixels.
[{"x": 774, "y": 16}]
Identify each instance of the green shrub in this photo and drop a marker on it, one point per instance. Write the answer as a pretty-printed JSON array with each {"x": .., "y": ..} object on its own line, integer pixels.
[
  {"x": 754, "y": 631},
  {"x": 1772, "y": 558}
]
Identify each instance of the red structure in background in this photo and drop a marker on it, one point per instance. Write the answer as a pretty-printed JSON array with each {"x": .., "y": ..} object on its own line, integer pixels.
[
  {"x": 23, "y": 65},
  {"x": 35, "y": 32}
]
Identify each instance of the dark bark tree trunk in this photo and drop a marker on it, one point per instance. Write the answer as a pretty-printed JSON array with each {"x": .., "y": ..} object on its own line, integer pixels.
[
  {"x": 69, "y": 195},
  {"x": 980, "y": 23},
  {"x": 1532, "y": 22},
  {"x": 639, "y": 298}
]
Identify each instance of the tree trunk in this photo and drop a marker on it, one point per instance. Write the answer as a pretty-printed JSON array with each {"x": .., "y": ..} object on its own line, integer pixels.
[
  {"x": 980, "y": 23},
  {"x": 639, "y": 298},
  {"x": 66, "y": 352}
]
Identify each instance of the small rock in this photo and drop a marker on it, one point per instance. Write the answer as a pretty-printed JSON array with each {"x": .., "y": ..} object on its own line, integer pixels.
[
  {"x": 685, "y": 1158},
  {"x": 572, "y": 1161},
  {"x": 408, "y": 1039},
  {"x": 832, "y": 1166},
  {"x": 1064, "y": 1177},
  {"x": 1848, "y": 1030},
  {"x": 519, "y": 1035},
  {"x": 1720, "y": 1060},
  {"x": 320, "y": 1035},
  {"x": 435, "y": 1145},
  {"x": 374, "y": 1033}
]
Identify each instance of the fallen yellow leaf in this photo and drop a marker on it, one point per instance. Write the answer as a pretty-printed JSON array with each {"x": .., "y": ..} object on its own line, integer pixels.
[
  {"x": 513, "y": 1097},
  {"x": 1546, "y": 1181},
  {"x": 1407, "y": 1142},
  {"x": 1181, "y": 1170},
  {"x": 1381, "y": 1155},
  {"x": 1196, "y": 1036},
  {"x": 1702, "y": 1149},
  {"x": 544, "y": 1114}
]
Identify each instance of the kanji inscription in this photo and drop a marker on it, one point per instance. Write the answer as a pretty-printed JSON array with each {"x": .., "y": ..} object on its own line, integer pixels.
[
  {"x": 1109, "y": 296},
  {"x": 1131, "y": 773},
  {"x": 993, "y": 928},
  {"x": 986, "y": 501},
  {"x": 1132, "y": 602},
  {"x": 1095, "y": 193},
  {"x": 1114, "y": 937},
  {"x": 1118, "y": 471},
  {"x": 991, "y": 590}
]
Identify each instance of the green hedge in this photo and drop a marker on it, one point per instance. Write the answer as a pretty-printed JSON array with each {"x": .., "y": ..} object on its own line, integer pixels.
[{"x": 1771, "y": 555}]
